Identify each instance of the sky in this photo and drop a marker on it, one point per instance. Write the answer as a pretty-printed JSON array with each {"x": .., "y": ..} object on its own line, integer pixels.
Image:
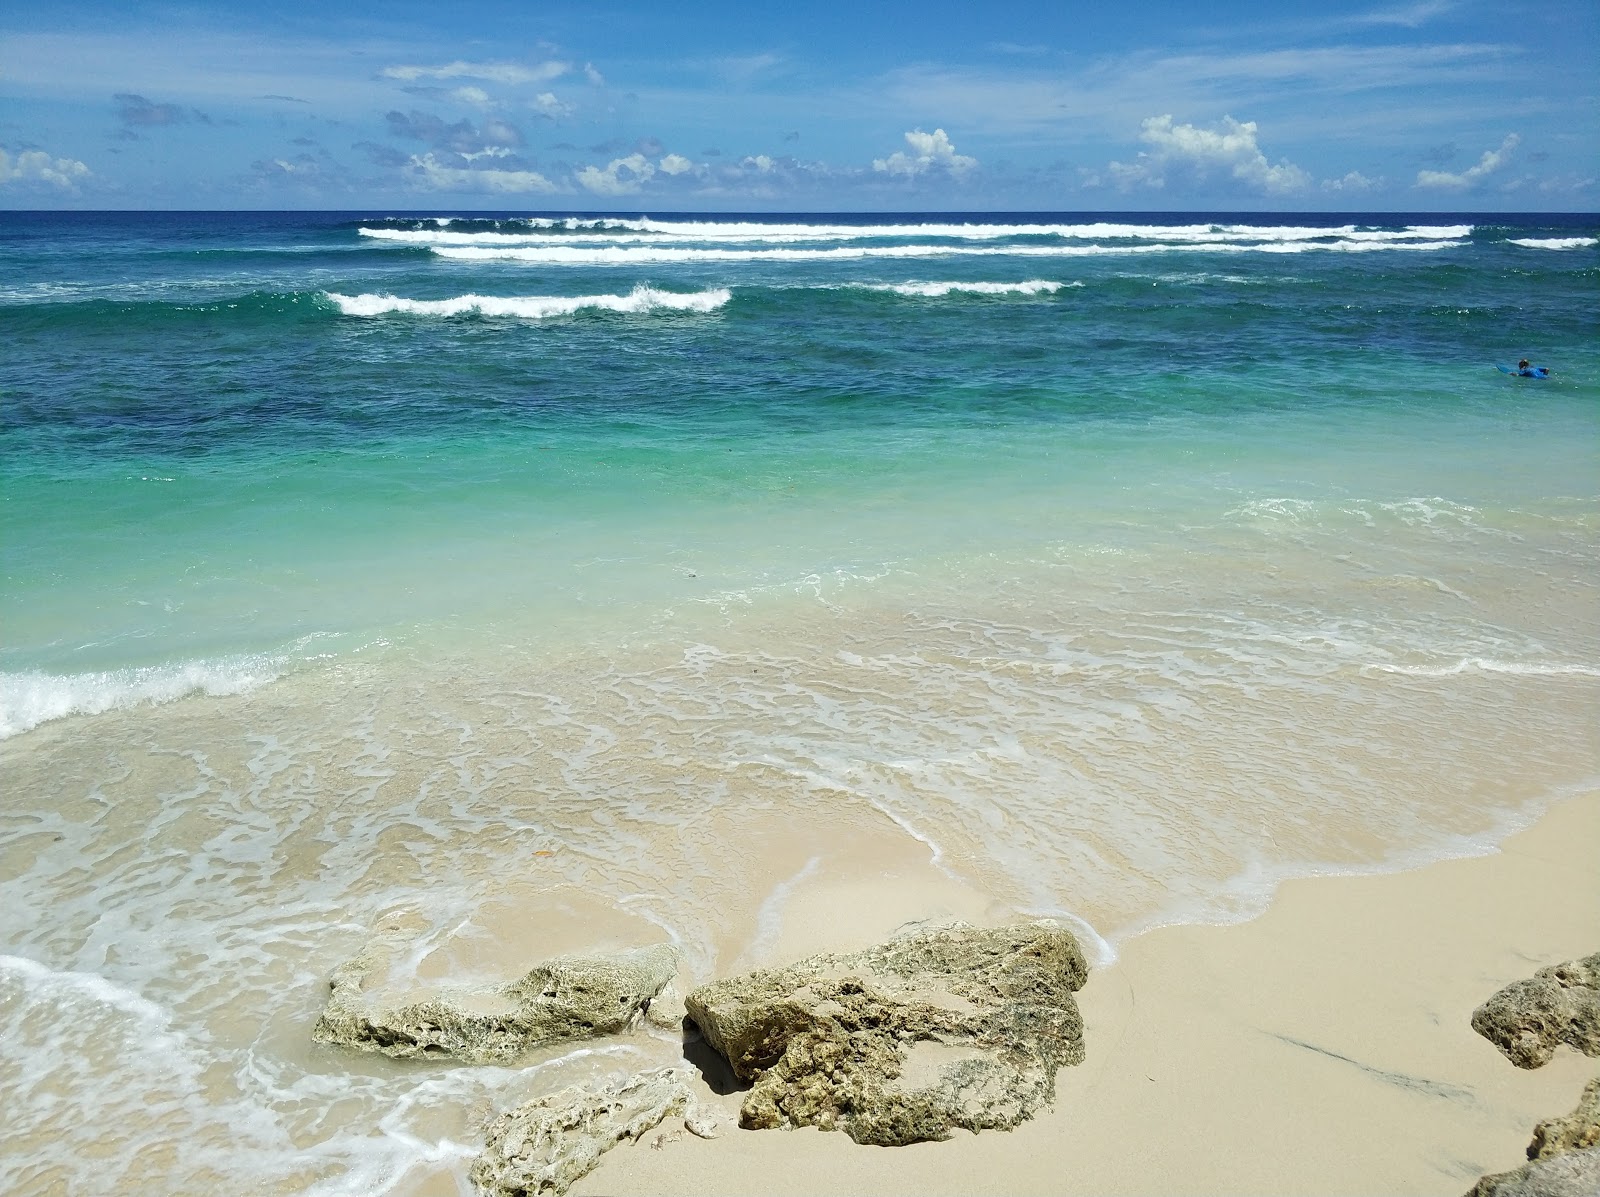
[{"x": 883, "y": 105}]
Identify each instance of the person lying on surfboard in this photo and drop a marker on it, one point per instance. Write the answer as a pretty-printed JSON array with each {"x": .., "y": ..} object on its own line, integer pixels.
[{"x": 1527, "y": 370}]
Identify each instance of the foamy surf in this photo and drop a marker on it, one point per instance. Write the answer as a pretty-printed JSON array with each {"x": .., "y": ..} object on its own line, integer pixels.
[
  {"x": 29, "y": 698},
  {"x": 616, "y": 255},
  {"x": 689, "y": 232},
  {"x": 639, "y": 301},
  {"x": 1555, "y": 242},
  {"x": 1033, "y": 286}
]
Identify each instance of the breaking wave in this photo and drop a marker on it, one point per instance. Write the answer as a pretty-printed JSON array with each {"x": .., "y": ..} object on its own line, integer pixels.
[
  {"x": 534, "y": 307},
  {"x": 614, "y": 255},
  {"x": 30, "y": 698}
]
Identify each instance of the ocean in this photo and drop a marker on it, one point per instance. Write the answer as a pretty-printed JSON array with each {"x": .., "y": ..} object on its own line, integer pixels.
[{"x": 565, "y": 581}]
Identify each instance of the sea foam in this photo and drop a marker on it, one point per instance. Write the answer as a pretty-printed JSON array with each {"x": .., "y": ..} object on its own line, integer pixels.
[
  {"x": 616, "y": 255},
  {"x": 1555, "y": 242},
  {"x": 29, "y": 698},
  {"x": 534, "y": 307},
  {"x": 691, "y": 232},
  {"x": 1033, "y": 286}
]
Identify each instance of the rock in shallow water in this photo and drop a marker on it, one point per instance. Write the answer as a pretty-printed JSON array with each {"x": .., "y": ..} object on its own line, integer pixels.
[
  {"x": 566, "y": 997},
  {"x": 952, "y": 1027},
  {"x": 544, "y": 1145},
  {"x": 1528, "y": 1020}
]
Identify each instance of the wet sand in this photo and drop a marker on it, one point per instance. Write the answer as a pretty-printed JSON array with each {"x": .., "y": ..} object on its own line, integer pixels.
[{"x": 1321, "y": 1048}]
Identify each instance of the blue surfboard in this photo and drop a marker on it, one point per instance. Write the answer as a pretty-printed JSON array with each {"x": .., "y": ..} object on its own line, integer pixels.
[{"x": 1530, "y": 372}]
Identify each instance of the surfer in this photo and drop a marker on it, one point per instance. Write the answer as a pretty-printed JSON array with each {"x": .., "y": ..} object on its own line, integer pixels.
[{"x": 1528, "y": 370}]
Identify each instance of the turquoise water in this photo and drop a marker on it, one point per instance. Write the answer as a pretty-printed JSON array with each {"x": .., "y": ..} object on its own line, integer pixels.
[{"x": 1121, "y": 566}]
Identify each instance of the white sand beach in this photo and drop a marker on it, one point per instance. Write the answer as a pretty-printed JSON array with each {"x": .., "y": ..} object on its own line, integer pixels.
[{"x": 1321, "y": 1048}]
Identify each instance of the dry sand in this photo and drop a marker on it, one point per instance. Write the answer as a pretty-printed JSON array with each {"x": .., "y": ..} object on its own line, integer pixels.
[{"x": 1322, "y": 1048}]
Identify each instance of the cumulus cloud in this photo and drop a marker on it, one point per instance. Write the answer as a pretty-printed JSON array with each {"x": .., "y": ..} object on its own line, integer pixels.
[
  {"x": 546, "y": 104},
  {"x": 1491, "y": 161},
  {"x": 427, "y": 170},
  {"x": 1193, "y": 152},
  {"x": 929, "y": 152},
  {"x": 460, "y": 137},
  {"x": 676, "y": 164},
  {"x": 494, "y": 72},
  {"x": 592, "y": 75},
  {"x": 1355, "y": 181},
  {"x": 623, "y": 176},
  {"x": 36, "y": 166}
]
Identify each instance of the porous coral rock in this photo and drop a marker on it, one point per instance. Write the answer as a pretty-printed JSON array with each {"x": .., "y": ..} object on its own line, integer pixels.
[
  {"x": 544, "y": 1145},
  {"x": 1528, "y": 1020},
  {"x": 947, "y": 1027},
  {"x": 566, "y": 997}
]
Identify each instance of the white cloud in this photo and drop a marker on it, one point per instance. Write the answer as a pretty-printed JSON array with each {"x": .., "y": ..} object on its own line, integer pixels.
[
  {"x": 495, "y": 72},
  {"x": 930, "y": 151},
  {"x": 1491, "y": 161},
  {"x": 592, "y": 75},
  {"x": 759, "y": 163},
  {"x": 36, "y": 166},
  {"x": 1354, "y": 181},
  {"x": 470, "y": 95},
  {"x": 676, "y": 164},
  {"x": 1189, "y": 149},
  {"x": 546, "y": 104},
  {"x": 623, "y": 176},
  {"x": 433, "y": 173}
]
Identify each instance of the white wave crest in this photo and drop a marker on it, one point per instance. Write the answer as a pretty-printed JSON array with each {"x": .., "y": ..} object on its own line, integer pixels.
[
  {"x": 534, "y": 307},
  {"x": 30, "y": 698},
  {"x": 1555, "y": 242},
  {"x": 618, "y": 231},
  {"x": 612, "y": 255},
  {"x": 1033, "y": 286}
]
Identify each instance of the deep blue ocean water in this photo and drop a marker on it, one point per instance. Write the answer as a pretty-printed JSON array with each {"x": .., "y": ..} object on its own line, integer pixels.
[{"x": 1120, "y": 564}]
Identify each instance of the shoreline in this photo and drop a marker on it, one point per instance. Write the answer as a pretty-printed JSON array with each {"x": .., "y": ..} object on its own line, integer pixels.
[{"x": 1322, "y": 1047}]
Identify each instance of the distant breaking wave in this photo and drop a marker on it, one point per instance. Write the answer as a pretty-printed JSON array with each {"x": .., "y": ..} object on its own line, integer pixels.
[
  {"x": 28, "y": 699},
  {"x": 612, "y": 255},
  {"x": 573, "y": 231},
  {"x": 1555, "y": 242},
  {"x": 1033, "y": 286},
  {"x": 535, "y": 307}
]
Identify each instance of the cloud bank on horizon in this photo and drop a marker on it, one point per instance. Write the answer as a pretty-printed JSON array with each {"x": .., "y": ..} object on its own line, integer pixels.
[{"x": 1437, "y": 104}]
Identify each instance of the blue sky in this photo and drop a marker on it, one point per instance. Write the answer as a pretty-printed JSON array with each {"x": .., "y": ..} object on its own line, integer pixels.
[{"x": 620, "y": 106}]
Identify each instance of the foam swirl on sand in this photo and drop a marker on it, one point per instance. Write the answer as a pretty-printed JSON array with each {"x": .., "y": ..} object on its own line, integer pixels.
[{"x": 534, "y": 307}]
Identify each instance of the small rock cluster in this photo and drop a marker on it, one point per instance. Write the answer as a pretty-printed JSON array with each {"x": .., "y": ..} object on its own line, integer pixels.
[
  {"x": 944, "y": 1027},
  {"x": 1527, "y": 1021}
]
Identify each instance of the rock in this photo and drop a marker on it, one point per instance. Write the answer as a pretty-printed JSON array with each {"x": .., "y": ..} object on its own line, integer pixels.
[
  {"x": 1564, "y": 1159},
  {"x": 1528, "y": 1020},
  {"x": 942, "y": 1028},
  {"x": 1574, "y": 1174},
  {"x": 566, "y": 997},
  {"x": 1578, "y": 1131},
  {"x": 544, "y": 1145},
  {"x": 667, "y": 1011}
]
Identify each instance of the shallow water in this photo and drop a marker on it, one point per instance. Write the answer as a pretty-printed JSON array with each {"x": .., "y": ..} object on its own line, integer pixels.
[{"x": 617, "y": 580}]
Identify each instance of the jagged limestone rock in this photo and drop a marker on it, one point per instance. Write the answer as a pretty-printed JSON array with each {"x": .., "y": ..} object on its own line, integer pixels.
[
  {"x": 1563, "y": 1159},
  {"x": 1575, "y": 1174},
  {"x": 566, "y": 997},
  {"x": 949, "y": 1027},
  {"x": 1577, "y": 1131},
  {"x": 1528, "y": 1020},
  {"x": 544, "y": 1145}
]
